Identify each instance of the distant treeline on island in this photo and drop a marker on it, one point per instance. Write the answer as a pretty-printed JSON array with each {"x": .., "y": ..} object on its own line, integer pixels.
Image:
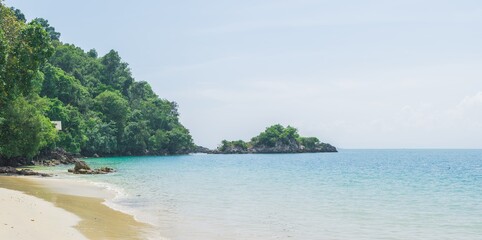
[{"x": 276, "y": 139}]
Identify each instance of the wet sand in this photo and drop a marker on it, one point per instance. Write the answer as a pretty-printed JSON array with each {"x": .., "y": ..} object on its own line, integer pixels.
[{"x": 96, "y": 220}]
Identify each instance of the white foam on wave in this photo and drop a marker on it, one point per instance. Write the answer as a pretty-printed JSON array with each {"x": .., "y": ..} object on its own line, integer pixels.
[
  {"x": 112, "y": 194},
  {"x": 138, "y": 215}
]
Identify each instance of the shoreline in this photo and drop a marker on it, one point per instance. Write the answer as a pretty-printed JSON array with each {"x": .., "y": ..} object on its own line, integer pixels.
[
  {"x": 96, "y": 220},
  {"x": 27, "y": 217}
]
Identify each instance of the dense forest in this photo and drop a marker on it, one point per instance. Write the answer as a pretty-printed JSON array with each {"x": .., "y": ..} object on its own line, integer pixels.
[
  {"x": 276, "y": 139},
  {"x": 103, "y": 110}
]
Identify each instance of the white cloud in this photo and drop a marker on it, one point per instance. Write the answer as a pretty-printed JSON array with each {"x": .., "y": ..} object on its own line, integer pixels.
[{"x": 471, "y": 101}]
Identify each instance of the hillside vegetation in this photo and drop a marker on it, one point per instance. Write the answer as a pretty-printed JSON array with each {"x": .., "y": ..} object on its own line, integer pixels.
[{"x": 103, "y": 110}]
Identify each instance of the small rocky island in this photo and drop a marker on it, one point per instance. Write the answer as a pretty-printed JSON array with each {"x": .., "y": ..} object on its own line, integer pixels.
[{"x": 275, "y": 139}]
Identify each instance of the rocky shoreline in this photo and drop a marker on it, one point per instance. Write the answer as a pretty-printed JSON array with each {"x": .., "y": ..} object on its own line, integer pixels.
[
  {"x": 48, "y": 158},
  {"x": 279, "y": 148},
  {"x": 22, "y": 172}
]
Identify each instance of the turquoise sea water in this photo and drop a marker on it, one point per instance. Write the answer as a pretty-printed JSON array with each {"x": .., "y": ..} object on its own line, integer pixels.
[{"x": 353, "y": 194}]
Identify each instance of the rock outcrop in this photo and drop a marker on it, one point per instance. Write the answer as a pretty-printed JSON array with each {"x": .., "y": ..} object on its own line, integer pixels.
[
  {"x": 201, "y": 149},
  {"x": 291, "y": 146},
  {"x": 45, "y": 158},
  {"x": 234, "y": 150},
  {"x": 24, "y": 172},
  {"x": 82, "y": 168},
  {"x": 54, "y": 158},
  {"x": 81, "y": 165}
]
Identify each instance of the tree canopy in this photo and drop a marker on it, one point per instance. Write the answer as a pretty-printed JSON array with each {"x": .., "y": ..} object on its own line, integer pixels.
[{"x": 102, "y": 108}]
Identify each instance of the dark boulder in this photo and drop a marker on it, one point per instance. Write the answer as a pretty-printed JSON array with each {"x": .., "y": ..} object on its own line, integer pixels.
[
  {"x": 81, "y": 165},
  {"x": 82, "y": 168},
  {"x": 24, "y": 172},
  {"x": 105, "y": 170},
  {"x": 8, "y": 170}
]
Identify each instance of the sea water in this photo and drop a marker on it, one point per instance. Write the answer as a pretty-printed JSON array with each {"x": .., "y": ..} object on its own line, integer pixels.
[{"x": 353, "y": 194}]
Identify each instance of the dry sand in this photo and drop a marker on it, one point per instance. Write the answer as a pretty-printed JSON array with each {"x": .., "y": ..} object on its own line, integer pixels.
[
  {"x": 26, "y": 217},
  {"x": 59, "y": 214}
]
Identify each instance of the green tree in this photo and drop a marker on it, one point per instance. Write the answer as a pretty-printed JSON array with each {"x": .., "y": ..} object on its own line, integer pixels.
[
  {"x": 23, "y": 49},
  {"x": 238, "y": 145},
  {"x": 57, "y": 84},
  {"x": 101, "y": 137},
  {"x": 24, "y": 130},
  {"x": 92, "y": 53},
  {"x": 136, "y": 138},
  {"x": 276, "y": 134},
  {"x": 180, "y": 141},
  {"x": 139, "y": 92},
  {"x": 310, "y": 142},
  {"x": 72, "y": 136},
  {"x": 20, "y": 16},
  {"x": 49, "y": 29},
  {"x": 3, "y": 61},
  {"x": 113, "y": 108},
  {"x": 116, "y": 73},
  {"x": 159, "y": 114},
  {"x": 75, "y": 62},
  {"x": 159, "y": 142}
]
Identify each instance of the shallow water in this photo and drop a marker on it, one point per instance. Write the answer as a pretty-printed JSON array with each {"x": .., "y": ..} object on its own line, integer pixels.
[{"x": 353, "y": 194}]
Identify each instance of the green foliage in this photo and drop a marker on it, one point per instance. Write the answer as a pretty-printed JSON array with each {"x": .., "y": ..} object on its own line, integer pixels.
[
  {"x": 116, "y": 73},
  {"x": 102, "y": 109},
  {"x": 101, "y": 137},
  {"x": 92, "y": 53},
  {"x": 20, "y": 16},
  {"x": 24, "y": 130},
  {"x": 180, "y": 141},
  {"x": 238, "y": 145},
  {"x": 277, "y": 139},
  {"x": 309, "y": 142},
  {"x": 159, "y": 142},
  {"x": 72, "y": 136},
  {"x": 49, "y": 29},
  {"x": 144, "y": 124},
  {"x": 113, "y": 107},
  {"x": 274, "y": 134},
  {"x": 3, "y": 61},
  {"x": 74, "y": 62},
  {"x": 23, "y": 49},
  {"x": 58, "y": 84},
  {"x": 140, "y": 92},
  {"x": 136, "y": 137},
  {"x": 159, "y": 114}
]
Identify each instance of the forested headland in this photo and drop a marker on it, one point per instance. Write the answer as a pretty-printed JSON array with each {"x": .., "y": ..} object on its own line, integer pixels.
[{"x": 104, "y": 111}]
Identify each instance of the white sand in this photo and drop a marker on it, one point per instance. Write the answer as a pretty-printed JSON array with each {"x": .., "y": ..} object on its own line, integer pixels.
[
  {"x": 26, "y": 217},
  {"x": 75, "y": 187}
]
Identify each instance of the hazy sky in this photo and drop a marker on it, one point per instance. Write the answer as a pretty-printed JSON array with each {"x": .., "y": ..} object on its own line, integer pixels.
[{"x": 357, "y": 74}]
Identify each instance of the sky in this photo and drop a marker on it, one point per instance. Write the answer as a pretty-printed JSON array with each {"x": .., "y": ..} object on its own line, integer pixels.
[{"x": 357, "y": 74}]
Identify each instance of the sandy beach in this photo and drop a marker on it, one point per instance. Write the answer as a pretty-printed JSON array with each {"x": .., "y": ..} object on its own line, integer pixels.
[
  {"x": 26, "y": 217},
  {"x": 38, "y": 208}
]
